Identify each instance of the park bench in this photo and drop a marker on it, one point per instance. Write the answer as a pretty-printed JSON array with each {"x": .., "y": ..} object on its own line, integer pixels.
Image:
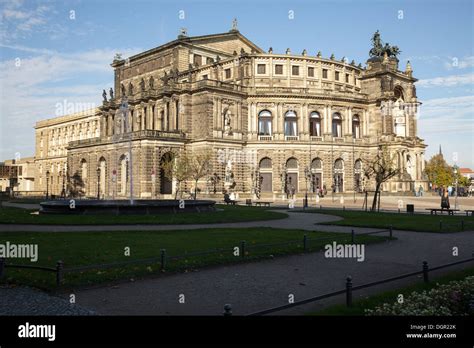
[
  {"x": 469, "y": 211},
  {"x": 264, "y": 203},
  {"x": 228, "y": 201},
  {"x": 441, "y": 210}
]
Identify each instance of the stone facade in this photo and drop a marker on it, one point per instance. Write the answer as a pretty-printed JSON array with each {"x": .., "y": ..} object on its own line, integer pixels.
[{"x": 267, "y": 117}]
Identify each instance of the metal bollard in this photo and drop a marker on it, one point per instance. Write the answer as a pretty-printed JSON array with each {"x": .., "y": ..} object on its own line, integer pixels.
[
  {"x": 440, "y": 225},
  {"x": 305, "y": 242},
  {"x": 391, "y": 231},
  {"x": 227, "y": 310},
  {"x": 349, "y": 291},
  {"x": 59, "y": 272},
  {"x": 163, "y": 259},
  {"x": 462, "y": 225},
  {"x": 353, "y": 236},
  {"x": 425, "y": 272}
]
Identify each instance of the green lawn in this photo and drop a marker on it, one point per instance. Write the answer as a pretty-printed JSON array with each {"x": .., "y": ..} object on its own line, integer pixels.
[
  {"x": 225, "y": 213},
  {"x": 371, "y": 302},
  {"x": 89, "y": 248},
  {"x": 416, "y": 222}
]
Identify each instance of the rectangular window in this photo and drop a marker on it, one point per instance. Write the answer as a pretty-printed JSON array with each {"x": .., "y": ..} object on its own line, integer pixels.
[
  {"x": 260, "y": 68},
  {"x": 295, "y": 70},
  {"x": 204, "y": 77},
  {"x": 310, "y": 72},
  {"x": 197, "y": 59},
  {"x": 227, "y": 73},
  {"x": 325, "y": 73},
  {"x": 336, "y": 75},
  {"x": 278, "y": 69},
  {"x": 347, "y": 78},
  {"x": 209, "y": 60}
]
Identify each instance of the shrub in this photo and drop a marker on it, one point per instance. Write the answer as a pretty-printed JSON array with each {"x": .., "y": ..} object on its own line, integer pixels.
[{"x": 453, "y": 298}]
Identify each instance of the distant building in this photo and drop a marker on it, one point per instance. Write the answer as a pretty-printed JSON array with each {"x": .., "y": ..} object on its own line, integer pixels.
[
  {"x": 18, "y": 175},
  {"x": 467, "y": 172}
]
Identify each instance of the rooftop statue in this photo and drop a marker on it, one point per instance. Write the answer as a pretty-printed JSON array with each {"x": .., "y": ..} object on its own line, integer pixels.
[{"x": 379, "y": 49}]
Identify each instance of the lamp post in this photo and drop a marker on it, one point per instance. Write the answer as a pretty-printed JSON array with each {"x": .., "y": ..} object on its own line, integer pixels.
[
  {"x": 306, "y": 176},
  {"x": 98, "y": 183},
  {"x": 455, "y": 167},
  {"x": 47, "y": 184},
  {"x": 63, "y": 192}
]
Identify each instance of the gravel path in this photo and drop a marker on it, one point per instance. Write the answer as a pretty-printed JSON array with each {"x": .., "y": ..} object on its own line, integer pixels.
[{"x": 27, "y": 301}]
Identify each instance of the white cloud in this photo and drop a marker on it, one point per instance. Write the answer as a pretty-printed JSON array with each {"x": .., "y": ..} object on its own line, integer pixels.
[
  {"x": 451, "y": 116},
  {"x": 460, "y": 63},
  {"x": 447, "y": 81},
  {"x": 18, "y": 21},
  {"x": 31, "y": 91}
]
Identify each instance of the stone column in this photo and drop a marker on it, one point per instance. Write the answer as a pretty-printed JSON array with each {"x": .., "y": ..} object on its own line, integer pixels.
[
  {"x": 349, "y": 121},
  {"x": 365, "y": 123},
  {"x": 166, "y": 118},
  {"x": 305, "y": 120}
]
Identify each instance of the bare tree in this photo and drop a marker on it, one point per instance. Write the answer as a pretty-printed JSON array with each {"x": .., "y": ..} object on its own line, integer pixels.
[
  {"x": 177, "y": 168},
  {"x": 200, "y": 166},
  {"x": 381, "y": 168}
]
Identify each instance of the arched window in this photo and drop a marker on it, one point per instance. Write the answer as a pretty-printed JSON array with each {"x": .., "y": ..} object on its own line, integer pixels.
[
  {"x": 356, "y": 126},
  {"x": 358, "y": 175},
  {"x": 265, "y": 163},
  {"x": 316, "y": 175},
  {"x": 292, "y": 163},
  {"x": 265, "y": 123},
  {"x": 398, "y": 93},
  {"x": 338, "y": 164},
  {"x": 291, "y": 182},
  {"x": 316, "y": 164},
  {"x": 315, "y": 124},
  {"x": 338, "y": 185},
  {"x": 83, "y": 169},
  {"x": 103, "y": 168},
  {"x": 123, "y": 174},
  {"x": 265, "y": 180},
  {"x": 336, "y": 125},
  {"x": 290, "y": 124}
]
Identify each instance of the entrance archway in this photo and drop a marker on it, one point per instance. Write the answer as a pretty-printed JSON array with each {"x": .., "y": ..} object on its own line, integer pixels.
[
  {"x": 265, "y": 168},
  {"x": 339, "y": 175},
  {"x": 166, "y": 185}
]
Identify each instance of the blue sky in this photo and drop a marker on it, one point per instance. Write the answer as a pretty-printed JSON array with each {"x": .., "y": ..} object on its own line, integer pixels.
[{"x": 50, "y": 55}]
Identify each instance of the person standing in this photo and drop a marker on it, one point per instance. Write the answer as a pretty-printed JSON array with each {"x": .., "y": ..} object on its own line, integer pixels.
[
  {"x": 421, "y": 191},
  {"x": 445, "y": 200}
]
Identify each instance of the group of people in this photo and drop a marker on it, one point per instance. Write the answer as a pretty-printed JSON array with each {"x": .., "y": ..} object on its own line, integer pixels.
[{"x": 419, "y": 192}]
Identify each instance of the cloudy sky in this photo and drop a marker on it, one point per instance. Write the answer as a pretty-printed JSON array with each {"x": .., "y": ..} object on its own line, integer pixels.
[{"x": 55, "y": 54}]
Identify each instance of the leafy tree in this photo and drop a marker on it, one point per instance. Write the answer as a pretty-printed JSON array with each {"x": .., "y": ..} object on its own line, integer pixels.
[
  {"x": 381, "y": 168},
  {"x": 439, "y": 172},
  {"x": 177, "y": 168},
  {"x": 463, "y": 181},
  {"x": 200, "y": 166}
]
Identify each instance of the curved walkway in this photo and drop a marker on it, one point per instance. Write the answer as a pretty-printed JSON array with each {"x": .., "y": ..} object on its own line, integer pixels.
[
  {"x": 256, "y": 286},
  {"x": 302, "y": 221}
]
